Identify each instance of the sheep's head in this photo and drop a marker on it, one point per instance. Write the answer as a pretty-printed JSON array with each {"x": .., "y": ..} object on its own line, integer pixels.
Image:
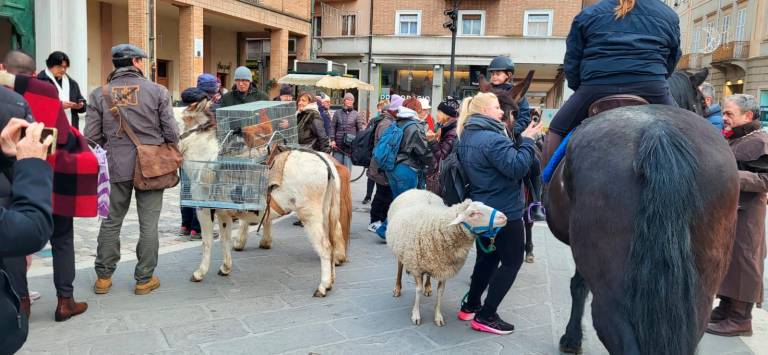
[{"x": 478, "y": 214}]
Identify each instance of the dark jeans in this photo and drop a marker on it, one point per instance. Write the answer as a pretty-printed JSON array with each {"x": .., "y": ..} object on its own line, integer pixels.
[
  {"x": 63, "y": 248},
  {"x": 380, "y": 204},
  {"x": 189, "y": 219},
  {"x": 16, "y": 268},
  {"x": 369, "y": 188},
  {"x": 510, "y": 248},
  {"x": 576, "y": 108},
  {"x": 401, "y": 179}
]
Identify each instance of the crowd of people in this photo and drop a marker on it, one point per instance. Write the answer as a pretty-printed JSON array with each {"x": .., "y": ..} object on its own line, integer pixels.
[{"x": 493, "y": 140}]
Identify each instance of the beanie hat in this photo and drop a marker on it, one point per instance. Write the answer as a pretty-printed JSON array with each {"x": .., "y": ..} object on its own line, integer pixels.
[
  {"x": 243, "y": 73},
  {"x": 450, "y": 106},
  {"x": 349, "y": 96},
  {"x": 192, "y": 95},
  {"x": 286, "y": 89},
  {"x": 207, "y": 83},
  {"x": 395, "y": 101}
]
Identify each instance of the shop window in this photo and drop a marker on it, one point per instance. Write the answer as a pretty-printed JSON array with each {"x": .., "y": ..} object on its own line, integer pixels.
[
  {"x": 538, "y": 23},
  {"x": 741, "y": 20},
  {"x": 472, "y": 23},
  {"x": 764, "y": 106},
  {"x": 348, "y": 25},
  {"x": 408, "y": 23}
]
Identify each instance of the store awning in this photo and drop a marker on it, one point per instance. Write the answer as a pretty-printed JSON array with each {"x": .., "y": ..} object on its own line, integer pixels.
[{"x": 325, "y": 81}]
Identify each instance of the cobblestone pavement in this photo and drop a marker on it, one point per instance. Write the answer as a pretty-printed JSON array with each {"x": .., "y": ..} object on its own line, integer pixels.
[{"x": 266, "y": 306}]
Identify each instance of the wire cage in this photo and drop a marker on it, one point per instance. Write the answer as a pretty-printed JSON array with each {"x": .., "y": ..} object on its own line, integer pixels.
[
  {"x": 228, "y": 183},
  {"x": 245, "y": 130},
  {"x": 237, "y": 179}
]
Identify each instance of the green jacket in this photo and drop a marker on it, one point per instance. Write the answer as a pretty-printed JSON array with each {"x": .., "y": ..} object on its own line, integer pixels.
[{"x": 234, "y": 97}]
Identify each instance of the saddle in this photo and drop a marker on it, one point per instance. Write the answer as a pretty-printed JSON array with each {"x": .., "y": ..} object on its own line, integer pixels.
[{"x": 615, "y": 101}]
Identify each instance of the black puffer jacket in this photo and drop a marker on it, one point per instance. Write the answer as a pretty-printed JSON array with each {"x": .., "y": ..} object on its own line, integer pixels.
[{"x": 311, "y": 129}]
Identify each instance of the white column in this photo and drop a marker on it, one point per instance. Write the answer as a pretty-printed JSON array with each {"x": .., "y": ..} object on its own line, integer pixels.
[
  {"x": 437, "y": 89},
  {"x": 376, "y": 93},
  {"x": 62, "y": 26}
]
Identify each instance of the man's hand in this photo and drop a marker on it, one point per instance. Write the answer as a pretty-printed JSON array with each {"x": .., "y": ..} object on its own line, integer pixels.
[
  {"x": 11, "y": 135},
  {"x": 30, "y": 146}
]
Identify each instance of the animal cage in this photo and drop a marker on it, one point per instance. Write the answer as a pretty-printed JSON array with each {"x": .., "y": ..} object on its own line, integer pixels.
[
  {"x": 237, "y": 179},
  {"x": 228, "y": 183}
]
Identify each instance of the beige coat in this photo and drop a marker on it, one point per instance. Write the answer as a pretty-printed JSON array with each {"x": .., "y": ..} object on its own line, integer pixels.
[
  {"x": 744, "y": 280},
  {"x": 146, "y": 107}
]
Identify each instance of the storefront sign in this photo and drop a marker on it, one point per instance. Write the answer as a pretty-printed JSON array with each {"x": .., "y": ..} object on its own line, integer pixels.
[
  {"x": 386, "y": 96},
  {"x": 199, "y": 47}
]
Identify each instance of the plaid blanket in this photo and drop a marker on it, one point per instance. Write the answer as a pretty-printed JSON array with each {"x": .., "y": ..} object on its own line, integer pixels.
[{"x": 75, "y": 167}]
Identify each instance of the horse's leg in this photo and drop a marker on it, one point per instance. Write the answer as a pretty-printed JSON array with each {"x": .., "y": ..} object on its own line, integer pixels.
[
  {"x": 439, "y": 321},
  {"x": 529, "y": 258},
  {"x": 427, "y": 286},
  {"x": 613, "y": 328},
  {"x": 205, "y": 217},
  {"x": 415, "y": 315},
  {"x": 313, "y": 224},
  {"x": 570, "y": 342},
  {"x": 398, "y": 280},
  {"x": 225, "y": 229},
  {"x": 242, "y": 232}
]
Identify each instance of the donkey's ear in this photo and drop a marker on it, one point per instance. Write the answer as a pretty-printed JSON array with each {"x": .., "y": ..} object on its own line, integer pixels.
[
  {"x": 700, "y": 77},
  {"x": 518, "y": 91},
  {"x": 484, "y": 85}
]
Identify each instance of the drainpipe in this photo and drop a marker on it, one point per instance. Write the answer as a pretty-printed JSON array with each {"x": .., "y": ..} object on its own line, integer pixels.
[
  {"x": 151, "y": 43},
  {"x": 312, "y": 32},
  {"x": 370, "y": 58}
]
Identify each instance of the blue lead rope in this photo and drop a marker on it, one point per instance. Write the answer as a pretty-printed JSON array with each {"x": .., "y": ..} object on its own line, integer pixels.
[
  {"x": 489, "y": 232},
  {"x": 549, "y": 170}
]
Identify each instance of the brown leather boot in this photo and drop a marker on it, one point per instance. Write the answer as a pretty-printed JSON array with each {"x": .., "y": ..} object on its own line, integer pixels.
[
  {"x": 148, "y": 287},
  {"x": 738, "y": 322},
  {"x": 68, "y": 308},
  {"x": 720, "y": 313},
  {"x": 551, "y": 142},
  {"x": 26, "y": 306}
]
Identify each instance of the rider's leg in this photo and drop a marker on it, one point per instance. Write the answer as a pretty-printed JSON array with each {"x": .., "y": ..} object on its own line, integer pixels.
[
  {"x": 570, "y": 115},
  {"x": 533, "y": 183}
]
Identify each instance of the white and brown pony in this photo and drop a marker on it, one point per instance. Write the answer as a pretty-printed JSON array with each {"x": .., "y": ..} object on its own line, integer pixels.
[{"x": 312, "y": 185}]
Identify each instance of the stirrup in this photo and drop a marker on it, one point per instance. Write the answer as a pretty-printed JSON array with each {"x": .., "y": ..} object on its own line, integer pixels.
[{"x": 529, "y": 211}]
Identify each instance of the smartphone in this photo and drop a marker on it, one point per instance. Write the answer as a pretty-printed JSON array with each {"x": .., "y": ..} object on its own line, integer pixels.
[{"x": 46, "y": 132}]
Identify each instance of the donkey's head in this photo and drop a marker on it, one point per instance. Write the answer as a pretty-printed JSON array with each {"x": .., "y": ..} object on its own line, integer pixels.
[{"x": 509, "y": 100}]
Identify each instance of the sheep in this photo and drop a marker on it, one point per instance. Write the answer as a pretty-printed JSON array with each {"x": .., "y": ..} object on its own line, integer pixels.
[{"x": 429, "y": 238}]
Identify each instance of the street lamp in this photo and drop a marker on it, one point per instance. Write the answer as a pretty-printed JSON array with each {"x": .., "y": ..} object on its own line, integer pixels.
[{"x": 451, "y": 24}]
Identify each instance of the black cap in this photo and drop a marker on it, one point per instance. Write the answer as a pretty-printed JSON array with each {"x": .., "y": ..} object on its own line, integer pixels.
[{"x": 127, "y": 51}]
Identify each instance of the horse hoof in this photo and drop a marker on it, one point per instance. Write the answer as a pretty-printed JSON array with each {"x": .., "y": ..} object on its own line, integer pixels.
[
  {"x": 195, "y": 279},
  {"x": 222, "y": 273},
  {"x": 396, "y": 293},
  {"x": 529, "y": 258},
  {"x": 570, "y": 350},
  {"x": 319, "y": 294}
]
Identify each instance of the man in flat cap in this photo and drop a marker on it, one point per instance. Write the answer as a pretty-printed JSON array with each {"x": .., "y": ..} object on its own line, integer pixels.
[{"x": 146, "y": 107}]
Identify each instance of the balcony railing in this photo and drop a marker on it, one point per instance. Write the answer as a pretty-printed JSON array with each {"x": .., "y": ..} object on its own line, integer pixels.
[{"x": 731, "y": 51}]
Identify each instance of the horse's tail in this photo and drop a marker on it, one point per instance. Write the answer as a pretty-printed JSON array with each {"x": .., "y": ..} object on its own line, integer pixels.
[
  {"x": 345, "y": 216},
  {"x": 662, "y": 279}
]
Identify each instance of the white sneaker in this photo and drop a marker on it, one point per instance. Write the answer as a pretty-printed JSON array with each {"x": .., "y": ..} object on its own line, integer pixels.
[
  {"x": 374, "y": 226},
  {"x": 34, "y": 296}
]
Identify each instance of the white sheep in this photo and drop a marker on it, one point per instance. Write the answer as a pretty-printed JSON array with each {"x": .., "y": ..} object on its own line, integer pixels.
[{"x": 430, "y": 239}]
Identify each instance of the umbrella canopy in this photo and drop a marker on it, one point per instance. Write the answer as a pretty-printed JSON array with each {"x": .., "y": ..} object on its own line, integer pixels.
[{"x": 325, "y": 81}]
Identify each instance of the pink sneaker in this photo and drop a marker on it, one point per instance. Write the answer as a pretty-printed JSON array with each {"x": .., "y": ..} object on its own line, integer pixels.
[{"x": 493, "y": 325}]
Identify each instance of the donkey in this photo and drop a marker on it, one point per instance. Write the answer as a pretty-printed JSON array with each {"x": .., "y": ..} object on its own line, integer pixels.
[
  {"x": 646, "y": 197},
  {"x": 199, "y": 143}
]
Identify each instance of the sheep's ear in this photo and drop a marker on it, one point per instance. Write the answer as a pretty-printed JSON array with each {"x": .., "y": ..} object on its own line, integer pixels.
[{"x": 462, "y": 217}]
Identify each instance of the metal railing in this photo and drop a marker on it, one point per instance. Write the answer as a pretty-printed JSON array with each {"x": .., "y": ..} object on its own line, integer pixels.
[{"x": 731, "y": 51}]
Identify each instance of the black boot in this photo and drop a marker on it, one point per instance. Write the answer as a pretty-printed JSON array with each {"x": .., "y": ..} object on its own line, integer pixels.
[{"x": 536, "y": 212}]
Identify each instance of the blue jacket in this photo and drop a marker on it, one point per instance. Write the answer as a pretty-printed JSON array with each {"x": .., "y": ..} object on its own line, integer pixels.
[
  {"x": 715, "y": 116},
  {"x": 494, "y": 166},
  {"x": 642, "y": 46},
  {"x": 523, "y": 118}
]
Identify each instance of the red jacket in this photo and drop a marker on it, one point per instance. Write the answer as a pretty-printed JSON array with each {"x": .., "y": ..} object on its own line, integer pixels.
[{"x": 75, "y": 168}]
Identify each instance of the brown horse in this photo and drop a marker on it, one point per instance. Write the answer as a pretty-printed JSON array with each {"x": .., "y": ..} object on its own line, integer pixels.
[{"x": 647, "y": 199}]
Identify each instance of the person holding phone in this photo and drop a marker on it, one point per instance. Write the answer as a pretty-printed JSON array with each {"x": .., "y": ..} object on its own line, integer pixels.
[{"x": 69, "y": 91}]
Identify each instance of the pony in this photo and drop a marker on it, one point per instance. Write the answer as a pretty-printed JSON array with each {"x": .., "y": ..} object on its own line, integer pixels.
[
  {"x": 301, "y": 191},
  {"x": 646, "y": 197}
]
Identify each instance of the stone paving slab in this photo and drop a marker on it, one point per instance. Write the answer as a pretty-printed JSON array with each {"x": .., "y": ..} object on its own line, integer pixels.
[{"x": 265, "y": 305}]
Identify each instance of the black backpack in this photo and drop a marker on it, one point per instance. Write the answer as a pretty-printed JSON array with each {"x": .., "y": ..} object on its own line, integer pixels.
[
  {"x": 454, "y": 185},
  {"x": 362, "y": 145}
]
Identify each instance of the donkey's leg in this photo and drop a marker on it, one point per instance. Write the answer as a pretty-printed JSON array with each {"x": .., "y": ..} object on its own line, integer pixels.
[
  {"x": 225, "y": 229},
  {"x": 415, "y": 315},
  {"x": 313, "y": 224},
  {"x": 439, "y": 321},
  {"x": 570, "y": 342},
  {"x": 205, "y": 217},
  {"x": 427, "y": 286},
  {"x": 242, "y": 232},
  {"x": 398, "y": 280},
  {"x": 266, "y": 235},
  {"x": 529, "y": 258}
]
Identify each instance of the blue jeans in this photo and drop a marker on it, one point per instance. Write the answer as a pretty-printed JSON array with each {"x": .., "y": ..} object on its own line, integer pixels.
[
  {"x": 401, "y": 179},
  {"x": 344, "y": 159}
]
